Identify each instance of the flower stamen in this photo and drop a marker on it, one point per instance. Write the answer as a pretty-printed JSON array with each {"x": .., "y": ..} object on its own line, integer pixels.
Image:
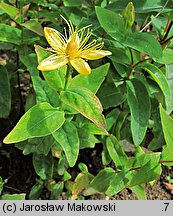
[{"x": 71, "y": 48}]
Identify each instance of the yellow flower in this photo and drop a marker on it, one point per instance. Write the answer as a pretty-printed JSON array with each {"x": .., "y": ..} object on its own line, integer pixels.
[{"x": 73, "y": 49}]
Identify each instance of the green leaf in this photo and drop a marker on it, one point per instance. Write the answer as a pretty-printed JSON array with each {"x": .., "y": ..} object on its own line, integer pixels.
[
  {"x": 167, "y": 126},
  {"x": 41, "y": 120},
  {"x": 158, "y": 141},
  {"x": 166, "y": 57},
  {"x": 81, "y": 182},
  {"x": 106, "y": 159},
  {"x": 111, "y": 22},
  {"x": 91, "y": 81},
  {"x": 12, "y": 11},
  {"x": 110, "y": 95},
  {"x": 56, "y": 191},
  {"x": 119, "y": 123},
  {"x": 112, "y": 117},
  {"x": 5, "y": 95},
  {"x": 149, "y": 172},
  {"x": 34, "y": 26},
  {"x": 61, "y": 168},
  {"x": 10, "y": 34},
  {"x": 83, "y": 167},
  {"x": 85, "y": 102},
  {"x": 122, "y": 70},
  {"x": 93, "y": 129},
  {"x": 100, "y": 182},
  {"x": 66, "y": 176},
  {"x": 139, "y": 103},
  {"x": 36, "y": 190},
  {"x": 13, "y": 197},
  {"x": 41, "y": 53},
  {"x": 87, "y": 140},
  {"x": 141, "y": 158},
  {"x": 39, "y": 145},
  {"x": 30, "y": 100},
  {"x": 162, "y": 82},
  {"x": 169, "y": 77},
  {"x": 43, "y": 92},
  {"x": 140, "y": 192},
  {"x": 43, "y": 165},
  {"x": 116, "y": 152},
  {"x": 67, "y": 137},
  {"x": 72, "y": 3},
  {"x": 119, "y": 55},
  {"x": 159, "y": 77},
  {"x": 144, "y": 42},
  {"x": 118, "y": 182},
  {"x": 55, "y": 78},
  {"x": 143, "y": 6},
  {"x": 30, "y": 62}
]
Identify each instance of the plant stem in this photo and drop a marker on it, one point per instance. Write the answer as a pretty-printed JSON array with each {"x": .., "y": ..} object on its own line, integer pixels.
[
  {"x": 165, "y": 161},
  {"x": 68, "y": 77},
  {"x": 148, "y": 24},
  {"x": 132, "y": 63},
  {"x": 67, "y": 81},
  {"x": 166, "y": 31},
  {"x": 165, "y": 41},
  {"x": 11, "y": 188},
  {"x": 19, "y": 89}
]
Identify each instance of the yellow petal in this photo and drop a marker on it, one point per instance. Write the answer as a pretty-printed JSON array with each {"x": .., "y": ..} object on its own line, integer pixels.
[
  {"x": 94, "y": 54},
  {"x": 55, "y": 39},
  {"x": 81, "y": 66},
  {"x": 52, "y": 63},
  {"x": 73, "y": 45}
]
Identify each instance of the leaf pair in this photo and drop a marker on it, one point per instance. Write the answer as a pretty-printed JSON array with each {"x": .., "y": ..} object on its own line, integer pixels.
[{"x": 114, "y": 25}]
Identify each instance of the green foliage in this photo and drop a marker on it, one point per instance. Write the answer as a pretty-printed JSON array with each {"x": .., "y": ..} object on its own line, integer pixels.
[
  {"x": 13, "y": 197},
  {"x": 144, "y": 43},
  {"x": 118, "y": 182},
  {"x": 139, "y": 103},
  {"x": 98, "y": 75},
  {"x": 6, "y": 31},
  {"x": 126, "y": 95},
  {"x": 167, "y": 124},
  {"x": 85, "y": 102},
  {"x": 43, "y": 165},
  {"x": 116, "y": 152},
  {"x": 45, "y": 120},
  {"x": 1, "y": 185},
  {"x": 112, "y": 23},
  {"x": 101, "y": 182},
  {"x": 67, "y": 137}
]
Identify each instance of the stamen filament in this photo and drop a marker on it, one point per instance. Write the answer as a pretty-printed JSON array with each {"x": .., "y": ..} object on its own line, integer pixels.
[{"x": 71, "y": 48}]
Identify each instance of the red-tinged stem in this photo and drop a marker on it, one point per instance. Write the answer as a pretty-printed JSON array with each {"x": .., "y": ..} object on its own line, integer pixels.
[{"x": 166, "y": 31}]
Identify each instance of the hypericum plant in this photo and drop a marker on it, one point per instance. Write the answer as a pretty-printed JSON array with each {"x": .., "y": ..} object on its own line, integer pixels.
[
  {"x": 55, "y": 122},
  {"x": 136, "y": 97}
]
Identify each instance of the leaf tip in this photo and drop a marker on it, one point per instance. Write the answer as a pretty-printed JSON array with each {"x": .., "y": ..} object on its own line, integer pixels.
[{"x": 7, "y": 140}]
